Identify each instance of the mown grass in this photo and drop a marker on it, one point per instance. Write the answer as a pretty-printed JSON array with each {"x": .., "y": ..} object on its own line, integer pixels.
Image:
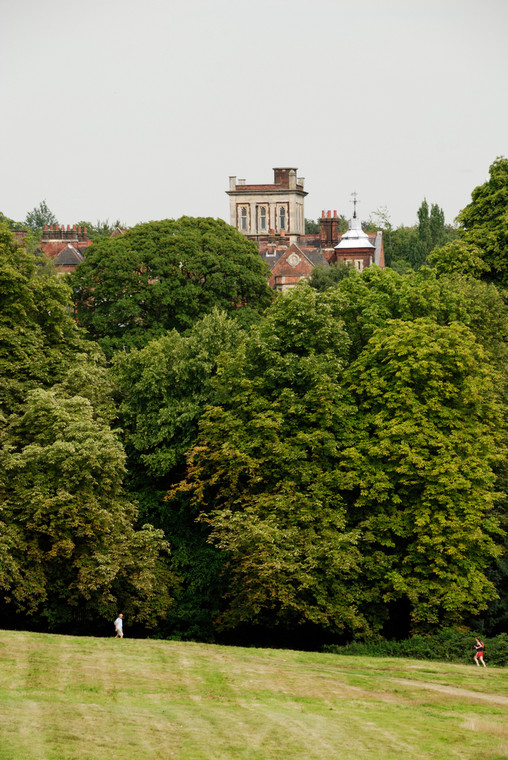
[{"x": 67, "y": 698}]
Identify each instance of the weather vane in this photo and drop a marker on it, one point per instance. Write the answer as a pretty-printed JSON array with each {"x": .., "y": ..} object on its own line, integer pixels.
[{"x": 354, "y": 201}]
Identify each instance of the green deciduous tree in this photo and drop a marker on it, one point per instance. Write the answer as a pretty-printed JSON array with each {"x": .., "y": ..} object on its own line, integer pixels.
[
  {"x": 163, "y": 390},
  {"x": 264, "y": 472},
  {"x": 165, "y": 275},
  {"x": 39, "y": 337},
  {"x": 400, "y": 248},
  {"x": 428, "y": 439},
  {"x": 484, "y": 222},
  {"x": 459, "y": 257},
  {"x": 437, "y": 227},
  {"x": 430, "y": 232},
  {"x": 72, "y": 553},
  {"x": 165, "y": 386},
  {"x": 370, "y": 299},
  {"x": 410, "y": 246},
  {"x": 39, "y": 216},
  {"x": 326, "y": 277}
]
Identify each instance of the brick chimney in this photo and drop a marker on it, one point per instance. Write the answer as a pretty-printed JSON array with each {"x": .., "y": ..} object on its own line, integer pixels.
[
  {"x": 282, "y": 177},
  {"x": 329, "y": 229}
]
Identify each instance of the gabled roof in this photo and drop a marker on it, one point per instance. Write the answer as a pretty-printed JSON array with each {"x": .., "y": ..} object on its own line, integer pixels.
[
  {"x": 291, "y": 258},
  {"x": 68, "y": 257}
]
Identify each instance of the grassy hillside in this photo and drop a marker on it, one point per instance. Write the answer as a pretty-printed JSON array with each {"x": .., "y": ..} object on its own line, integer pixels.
[{"x": 65, "y": 698}]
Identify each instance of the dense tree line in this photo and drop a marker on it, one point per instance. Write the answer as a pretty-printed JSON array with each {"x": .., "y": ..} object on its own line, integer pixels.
[
  {"x": 327, "y": 465},
  {"x": 70, "y": 549}
]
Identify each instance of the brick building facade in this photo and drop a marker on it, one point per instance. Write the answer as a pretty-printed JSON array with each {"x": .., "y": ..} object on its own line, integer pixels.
[
  {"x": 273, "y": 216},
  {"x": 65, "y": 247}
]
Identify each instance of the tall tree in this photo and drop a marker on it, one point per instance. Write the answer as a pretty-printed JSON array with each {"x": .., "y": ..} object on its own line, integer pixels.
[
  {"x": 68, "y": 530},
  {"x": 437, "y": 226},
  {"x": 484, "y": 222},
  {"x": 165, "y": 275},
  {"x": 163, "y": 389},
  {"x": 369, "y": 300},
  {"x": 39, "y": 216},
  {"x": 428, "y": 438},
  {"x": 39, "y": 336},
  {"x": 165, "y": 386},
  {"x": 67, "y": 540},
  {"x": 265, "y": 472},
  {"x": 430, "y": 232}
]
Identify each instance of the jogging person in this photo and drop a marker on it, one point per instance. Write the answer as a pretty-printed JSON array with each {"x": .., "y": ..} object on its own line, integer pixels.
[{"x": 480, "y": 648}]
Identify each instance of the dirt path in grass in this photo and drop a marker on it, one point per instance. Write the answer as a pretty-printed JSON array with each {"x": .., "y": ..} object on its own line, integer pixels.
[{"x": 494, "y": 699}]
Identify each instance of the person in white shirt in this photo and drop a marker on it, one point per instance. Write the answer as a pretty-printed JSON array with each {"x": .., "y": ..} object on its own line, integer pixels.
[{"x": 119, "y": 627}]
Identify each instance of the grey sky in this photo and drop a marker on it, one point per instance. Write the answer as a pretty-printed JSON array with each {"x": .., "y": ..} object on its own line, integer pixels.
[{"x": 141, "y": 109}]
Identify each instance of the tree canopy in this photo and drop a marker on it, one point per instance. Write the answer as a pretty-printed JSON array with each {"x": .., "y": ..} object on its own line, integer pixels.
[
  {"x": 264, "y": 472},
  {"x": 165, "y": 386},
  {"x": 366, "y": 418},
  {"x": 329, "y": 462},
  {"x": 70, "y": 549},
  {"x": 164, "y": 275},
  {"x": 39, "y": 216},
  {"x": 481, "y": 249},
  {"x": 69, "y": 546},
  {"x": 39, "y": 337},
  {"x": 429, "y": 436}
]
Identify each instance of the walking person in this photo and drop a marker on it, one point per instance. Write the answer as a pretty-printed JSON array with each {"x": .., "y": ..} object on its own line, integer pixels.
[
  {"x": 119, "y": 626},
  {"x": 480, "y": 648}
]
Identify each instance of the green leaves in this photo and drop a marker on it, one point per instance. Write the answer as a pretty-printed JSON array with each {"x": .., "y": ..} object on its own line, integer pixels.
[
  {"x": 165, "y": 275},
  {"x": 484, "y": 222},
  {"x": 425, "y": 452},
  {"x": 38, "y": 336},
  {"x": 165, "y": 386},
  {"x": 39, "y": 216},
  {"x": 334, "y": 491},
  {"x": 264, "y": 471},
  {"x": 71, "y": 544}
]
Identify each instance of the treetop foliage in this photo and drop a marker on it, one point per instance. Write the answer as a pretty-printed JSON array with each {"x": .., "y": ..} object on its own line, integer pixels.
[
  {"x": 329, "y": 461},
  {"x": 102, "y": 228},
  {"x": 68, "y": 538},
  {"x": 483, "y": 229},
  {"x": 164, "y": 275},
  {"x": 69, "y": 549},
  {"x": 39, "y": 216},
  {"x": 428, "y": 441},
  {"x": 39, "y": 335},
  {"x": 264, "y": 470},
  {"x": 165, "y": 386},
  {"x": 489, "y": 202},
  {"x": 339, "y": 424}
]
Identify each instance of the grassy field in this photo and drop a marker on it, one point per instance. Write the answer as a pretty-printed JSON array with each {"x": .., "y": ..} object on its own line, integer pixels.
[{"x": 66, "y": 698}]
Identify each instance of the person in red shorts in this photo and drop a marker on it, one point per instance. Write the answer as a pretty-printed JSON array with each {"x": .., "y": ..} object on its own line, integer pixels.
[{"x": 480, "y": 648}]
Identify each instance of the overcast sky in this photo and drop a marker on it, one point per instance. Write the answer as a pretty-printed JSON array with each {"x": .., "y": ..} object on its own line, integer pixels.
[{"x": 141, "y": 109}]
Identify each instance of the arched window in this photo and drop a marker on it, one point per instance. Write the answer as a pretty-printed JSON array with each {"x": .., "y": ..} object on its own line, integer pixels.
[
  {"x": 243, "y": 219},
  {"x": 282, "y": 218},
  {"x": 262, "y": 218}
]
